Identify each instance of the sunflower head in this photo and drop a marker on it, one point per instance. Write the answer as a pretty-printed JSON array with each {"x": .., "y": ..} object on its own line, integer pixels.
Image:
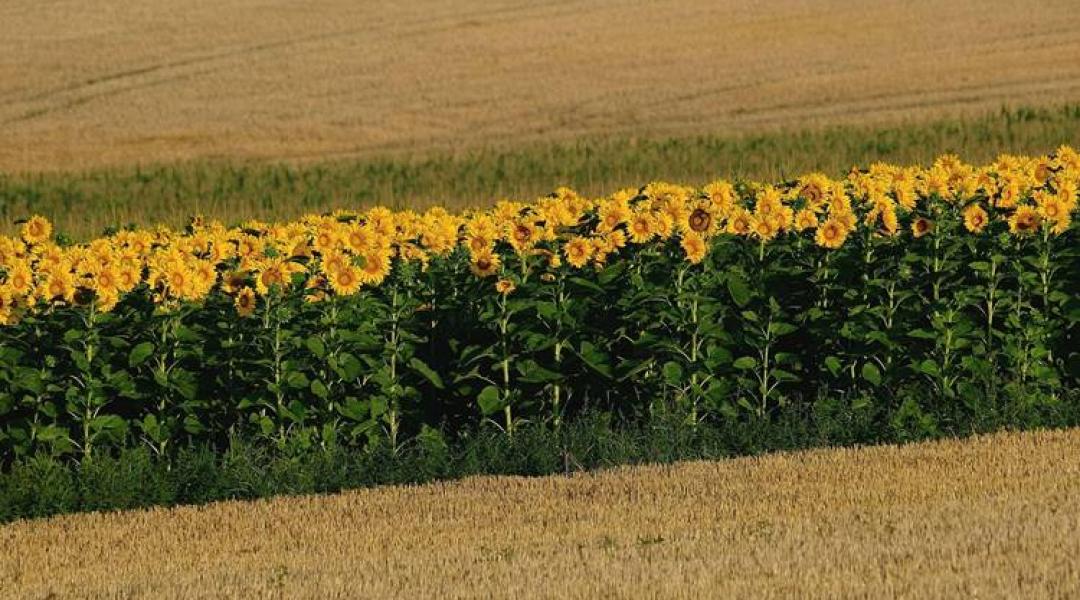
[
  {"x": 505, "y": 287},
  {"x": 485, "y": 264},
  {"x": 921, "y": 226},
  {"x": 245, "y": 302},
  {"x": 695, "y": 247},
  {"x": 1024, "y": 221},
  {"x": 36, "y": 230},
  {"x": 831, "y": 234},
  {"x": 975, "y": 218},
  {"x": 578, "y": 251},
  {"x": 376, "y": 266}
]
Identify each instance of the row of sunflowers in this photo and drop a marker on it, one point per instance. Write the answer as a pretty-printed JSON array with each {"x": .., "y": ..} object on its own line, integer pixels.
[
  {"x": 903, "y": 296},
  {"x": 340, "y": 253}
]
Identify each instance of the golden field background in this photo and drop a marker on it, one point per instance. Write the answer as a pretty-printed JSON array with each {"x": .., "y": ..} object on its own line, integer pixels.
[
  {"x": 991, "y": 516},
  {"x": 88, "y": 83}
]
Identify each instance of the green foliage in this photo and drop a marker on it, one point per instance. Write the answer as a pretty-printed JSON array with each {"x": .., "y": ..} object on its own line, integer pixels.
[{"x": 85, "y": 203}]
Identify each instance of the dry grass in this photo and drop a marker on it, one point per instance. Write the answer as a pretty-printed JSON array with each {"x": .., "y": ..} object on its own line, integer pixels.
[
  {"x": 995, "y": 516},
  {"x": 104, "y": 82}
]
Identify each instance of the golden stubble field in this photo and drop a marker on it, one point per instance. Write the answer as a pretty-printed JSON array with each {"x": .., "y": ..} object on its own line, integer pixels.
[
  {"x": 103, "y": 82},
  {"x": 994, "y": 516}
]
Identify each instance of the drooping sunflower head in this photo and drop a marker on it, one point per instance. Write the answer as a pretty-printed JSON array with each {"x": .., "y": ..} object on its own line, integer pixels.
[
  {"x": 1024, "y": 221},
  {"x": 274, "y": 275},
  {"x": 505, "y": 287},
  {"x": 485, "y": 264},
  {"x": 522, "y": 235},
  {"x": 921, "y": 226},
  {"x": 245, "y": 302},
  {"x": 693, "y": 244}
]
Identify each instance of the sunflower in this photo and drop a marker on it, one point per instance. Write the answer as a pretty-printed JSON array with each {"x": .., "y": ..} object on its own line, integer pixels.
[
  {"x": 578, "y": 251},
  {"x": 57, "y": 286},
  {"x": 485, "y": 264},
  {"x": 641, "y": 227},
  {"x": 1051, "y": 208},
  {"x": 36, "y": 230},
  {"x": 921, "y": 226},
  {"x": 722, "y": 195},
  {"x": 249, "y": 246},
  {"x": 233, "y": 281},
  {"x": 7, "y": 304},
  {"x": 701, "y": 220},
  {"x": 316, "y": 289},
  {"x": 975, "y": 218},
  {"x": 505, "y": 287},
  {"x": 274, "y": 274},
  {"x": 812, "y": 188},
  {"x": 245, "y": 302},
  {"x": 523, "y": 235},
  {"x": 805, "y": 219},
  {"x": 479, "y": 243},
  {"x": 326, "y": 238},
  {"x": 129, "y": 275},
  {"x": 612, "y": 214},
  {"x": 20, "y": 279},
  {"x": 890, "y": 222},
  {"x": 740, "y": 221},
  {"x": 332, "y": 261},
  {"x": 178, "y": 279},
  {"x": 376, "y": 266},
  {"x": 1024, "y": 221},
  {"x": 764, "y": 227},
  {"x": 106, "y": 281},
  {"x": 831, "y": 234},
  {"x": 344, "y": 281},
  {"x": 359, "y": 238},
  {"x": 694, "y": 246}
]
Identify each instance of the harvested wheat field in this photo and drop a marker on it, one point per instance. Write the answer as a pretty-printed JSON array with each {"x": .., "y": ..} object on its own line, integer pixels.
[
  {"x": 991, "y": 516},
  {"x": 105, "y": 82}
]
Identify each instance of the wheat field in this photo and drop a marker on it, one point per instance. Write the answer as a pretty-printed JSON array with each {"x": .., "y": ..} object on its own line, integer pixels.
[
  {"x": 87, "y": 83},
  {"x": 993, "y": 516}
]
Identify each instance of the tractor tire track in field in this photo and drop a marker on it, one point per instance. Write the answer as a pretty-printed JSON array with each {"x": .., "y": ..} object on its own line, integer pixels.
[{"x": 275, "y": 79}]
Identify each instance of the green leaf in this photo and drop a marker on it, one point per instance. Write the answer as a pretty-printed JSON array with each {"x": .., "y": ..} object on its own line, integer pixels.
[
  {"x": 929, "y": 367},
  {"x": 297, "y": 380},
  {"x": 490, "y": 400},
  {"x": 871, "y": 373},
  {"x": 739, "y": 290},
  {"x": 531, "y": 372},
  {"x": 673, "y": 373},
  {"x": 139, "y": 354},
  {"x": 319, "y": 389},
  {"x": 316, "y": 346},
  {"x": 421, "y": 367},
  {"x": 780, "y": 328},
  {"x": 746, "y": 362},
  {"x": 833, "y": 365},
  {"x": 595, "y": 358}
]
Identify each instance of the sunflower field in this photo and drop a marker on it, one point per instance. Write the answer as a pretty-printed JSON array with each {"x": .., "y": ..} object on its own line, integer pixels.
[{"x": 949, "y": 289}]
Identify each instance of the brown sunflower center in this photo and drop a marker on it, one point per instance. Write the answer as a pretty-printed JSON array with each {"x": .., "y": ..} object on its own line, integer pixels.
[{"x": 700, "y": 220}]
